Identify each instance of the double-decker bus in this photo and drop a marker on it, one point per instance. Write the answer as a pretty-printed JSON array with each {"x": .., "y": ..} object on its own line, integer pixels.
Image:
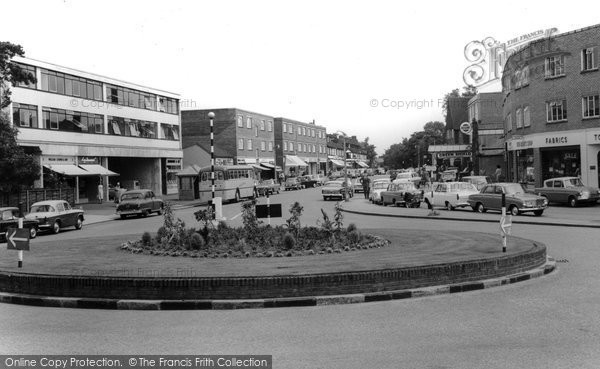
[{"x": 232, "y": 182}]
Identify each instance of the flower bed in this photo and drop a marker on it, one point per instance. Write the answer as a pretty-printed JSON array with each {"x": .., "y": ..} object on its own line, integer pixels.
[{"x": 254, "y": 239}]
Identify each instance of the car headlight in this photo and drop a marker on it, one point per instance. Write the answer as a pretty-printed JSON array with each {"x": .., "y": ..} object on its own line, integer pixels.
[{"x": 584, "y": 194}]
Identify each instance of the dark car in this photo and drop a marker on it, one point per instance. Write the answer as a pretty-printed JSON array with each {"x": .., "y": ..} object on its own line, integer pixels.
[
  {"x": 517, "y": 199},
  {"x": 402, "y": 193},
  {"x": 55, "y": 214},
  {"x": 309, "y": 181},
  {"x": 9, "y": 218},
  {"x": 140, "y": 203},
  {"x": 292, "y": 183},
  {"x": 568, "y": 190},
  {"x": 336, "y": 189}
]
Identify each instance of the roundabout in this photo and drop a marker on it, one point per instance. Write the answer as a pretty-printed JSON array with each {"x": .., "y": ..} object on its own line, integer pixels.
[{"x": 94, "y": 273}]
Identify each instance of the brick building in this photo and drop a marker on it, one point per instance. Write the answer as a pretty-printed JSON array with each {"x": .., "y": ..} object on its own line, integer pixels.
[
  {"x": 544, "y": 139},
  {"x": 300, "y": 147},
  {"x": 486, "y": 108},
  {"x": 245, "y": 136}
]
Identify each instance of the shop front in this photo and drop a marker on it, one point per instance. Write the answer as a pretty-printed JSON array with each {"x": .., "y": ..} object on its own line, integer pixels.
[{"x": 170, "y": 168}]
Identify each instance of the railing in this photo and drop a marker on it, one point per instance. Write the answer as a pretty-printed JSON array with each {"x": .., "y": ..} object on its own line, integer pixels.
[{"x": 26, "y": 198}]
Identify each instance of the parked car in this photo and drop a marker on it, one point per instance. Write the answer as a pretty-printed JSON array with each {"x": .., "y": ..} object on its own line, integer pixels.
[
  {"x": 408, "y": 176},
  {"x": 292, "y": 183},
  {"x": 403, "y": 193},
  {"x": 378, "y": 186},
  {"x": 336, "y": 189},
  {"x": 140, "y": 203},
  {"x": 357, "y": 184},
  {"x": 308, "y": 181},
  {"x": 321, "y": 179},
  {"x": 268, "y": 186},
  {"x": 517, "y": 199},
  {"x": 53, "y": 215},
  {"x": 568, "y": 190},
  {"x": 450, "y": 195},
  {"x": 9, "y": 218},
  {"x": 478, "y": 181},
  {"x": 449, "y": 175}
]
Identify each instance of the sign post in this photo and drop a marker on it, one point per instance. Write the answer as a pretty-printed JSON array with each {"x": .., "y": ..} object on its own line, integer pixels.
[
  {"x": 505, "y": 226},
  {"x": 18, "y": 239}
]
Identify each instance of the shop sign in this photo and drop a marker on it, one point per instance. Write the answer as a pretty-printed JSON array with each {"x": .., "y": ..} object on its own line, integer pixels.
[
  {"x": 595, "y": 137},
  {"x": 453, "y": 154},
  {"x": 88, "y": 160},
  {"x": 571, "y": 155},
  {"x": 58, "y": 160},
  {"x": 557, "y": 140}
]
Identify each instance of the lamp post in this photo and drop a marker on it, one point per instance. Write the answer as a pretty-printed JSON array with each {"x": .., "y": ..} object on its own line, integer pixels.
[
  {"x": 211, "y": 116},
  {"x": 345, "y": 167}
]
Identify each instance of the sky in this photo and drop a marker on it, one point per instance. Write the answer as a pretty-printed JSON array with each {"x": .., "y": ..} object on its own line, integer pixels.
[{"x": 376, "y": 69}]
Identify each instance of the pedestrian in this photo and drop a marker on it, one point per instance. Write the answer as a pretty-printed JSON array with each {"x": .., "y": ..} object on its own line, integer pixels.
[
  {"x": 117, "y": 192},
  {"x": 498, "y": 173},
  {"x": 100, "y": 192},
  {"x": 365, "y": 184}
]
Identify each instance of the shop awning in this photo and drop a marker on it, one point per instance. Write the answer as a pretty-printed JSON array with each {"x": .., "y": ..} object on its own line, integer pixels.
[
  {"x": 294, "y": 161},
  {"x": 362, "y": 164},
  {"x": 68, "y": 169},
  {"x": 336, "y": 162},
  {"x": 98, "y": 170},
  {"x": 259, "y": 167},
  {"x": 268, "y": 165}
]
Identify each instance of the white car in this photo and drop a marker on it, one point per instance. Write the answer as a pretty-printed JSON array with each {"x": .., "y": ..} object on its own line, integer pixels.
[
  {"x": 450, "y": 195},
  {"x": 378, "y": 186},
  {"x": 408, "y": 176}
]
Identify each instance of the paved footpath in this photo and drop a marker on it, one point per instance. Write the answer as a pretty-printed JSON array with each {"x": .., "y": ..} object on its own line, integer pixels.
[{"x": 585, "y": 216}]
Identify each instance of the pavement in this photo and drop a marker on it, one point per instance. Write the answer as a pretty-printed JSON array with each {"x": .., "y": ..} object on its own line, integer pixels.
[{"x": 583, "y": 216}]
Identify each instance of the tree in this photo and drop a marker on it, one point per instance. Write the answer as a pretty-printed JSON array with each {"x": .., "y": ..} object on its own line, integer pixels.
[
  {"x": 18, "y": 170},
  {"x": 371, "y": 154},
  {"x": 11, "y": 72},
  {"x": 412, "y": 151}
]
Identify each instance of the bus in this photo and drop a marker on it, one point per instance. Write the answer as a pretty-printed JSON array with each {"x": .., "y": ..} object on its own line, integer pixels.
[{"x": 232, "y": 182}]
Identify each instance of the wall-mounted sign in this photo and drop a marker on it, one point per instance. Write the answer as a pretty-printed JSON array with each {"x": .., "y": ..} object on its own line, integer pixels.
[
  {"x": 58, "y": 160},
  {"x": 88, "y": 160},
  {"x": 454, "y": 154}
]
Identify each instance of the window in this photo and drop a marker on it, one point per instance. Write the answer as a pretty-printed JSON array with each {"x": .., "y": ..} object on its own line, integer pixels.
[
  {"x": 591, "y": 106},
  {"x": 249, "y": 144},
  {"x": 587, "y": 59},
  {"x": 291, "y": 146},
  {"x": 270, "y": 146},
  {"x": 526, "y": 116},
  {"x": 241, "y": 144},
  {"x": 25, "y": 115},
  {"x": 263, "y": 145},
  {"x": 255, "y": 131},
  {"x": 556, "y": 111},
  {"x": 249, "y": 122},
  {"x": 135, "y": 128},
  {"x": 290, "y": 128},
  {"x": 519, "y": 118},
  {"x": 66, "y": 84},
  {"x": 262, "y": 125},
  {"x": 165, "y": 104},
  {"x": 284, "y": 128},
  {"x": 269, "y": 126},
  {"x": 285, "y": 145},
  {"x": 240, "y": 121},
  {"x": 170, "y": 132},
  {"x": 508, "y": 121},
  {"x": 28, "y": 69},
  {"x": 555, "y": 66}
]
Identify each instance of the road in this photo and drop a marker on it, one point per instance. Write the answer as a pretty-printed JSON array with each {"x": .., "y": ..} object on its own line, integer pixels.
[{"x": 548, "y": 322}]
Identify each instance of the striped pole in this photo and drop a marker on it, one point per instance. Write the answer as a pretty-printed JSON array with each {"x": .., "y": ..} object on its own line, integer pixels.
[{"x": 211, "y": 115}]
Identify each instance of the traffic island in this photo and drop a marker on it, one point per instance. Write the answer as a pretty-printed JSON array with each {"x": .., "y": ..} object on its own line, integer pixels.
[{"x": 94, "y": 273}]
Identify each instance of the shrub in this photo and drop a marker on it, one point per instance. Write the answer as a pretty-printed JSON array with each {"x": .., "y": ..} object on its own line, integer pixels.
[
  {"x": 162, "y": 232},
  {"x": 354, "y": 237},
  {"x": 338, "y": 218},
  {"x": 351, "y": 227},
  {"x": 197, "y": 242},
  {"x": 146, "y": 238},
  {"x": 288, "y": 241}
]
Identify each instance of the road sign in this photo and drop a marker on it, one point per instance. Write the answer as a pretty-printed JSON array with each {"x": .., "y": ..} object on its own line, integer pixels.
[
  {"x": 17, "y": 239},
  {"x": 505, "y": 226},
  {"x": 465, "y": 127}
]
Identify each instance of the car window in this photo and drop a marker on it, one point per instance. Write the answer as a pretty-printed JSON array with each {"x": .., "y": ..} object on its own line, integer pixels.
[
  {"x": 131, "y": 196},
  {"x": 558, "y": 184},
  {"x": 67, "y": 206},
  {"x": 60, "y": 206},
  {"x": 498, "y": 190},
  {"x": 574, "y": 182},
  {"x": 7, "y": 215},
  {"x": 549, "y": 183}
]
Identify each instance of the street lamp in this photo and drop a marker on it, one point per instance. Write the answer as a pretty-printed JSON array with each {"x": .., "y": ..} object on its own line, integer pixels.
[{"x": 345, "y": 167}]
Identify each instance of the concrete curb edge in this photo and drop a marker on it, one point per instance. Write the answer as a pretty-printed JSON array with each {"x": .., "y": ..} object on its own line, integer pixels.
[{"x": 91, "y": 303}]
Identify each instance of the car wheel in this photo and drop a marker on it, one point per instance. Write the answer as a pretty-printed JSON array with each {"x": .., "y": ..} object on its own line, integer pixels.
[
  {"x": 324, "y": 198},
  {"x": 79, "y": 223},
  {"x": 479, "y": 208},
  {"x": 32, "y": 232},
  {"x": 572, "y": 201},
  {"x": 145, "y": 213},
  {"x": 538, "y": 213},
  {"x": 160, "y": 211},
  {"x": 449, "y": 206},
  {"x": 514, "y": 210},
  {"x": 56, "y": 227}
]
